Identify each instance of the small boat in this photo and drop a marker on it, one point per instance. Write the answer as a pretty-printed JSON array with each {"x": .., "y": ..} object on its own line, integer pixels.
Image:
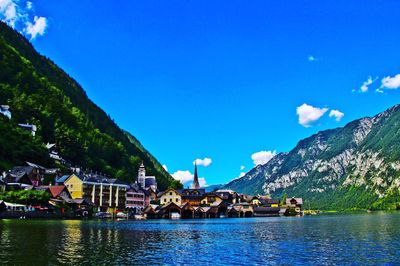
[
  {"x": 103, "y": 215},
  {"x": 175, "y": 215},
  {"x": 139, "y": 217},
  {"x": 122, "y": 215}
]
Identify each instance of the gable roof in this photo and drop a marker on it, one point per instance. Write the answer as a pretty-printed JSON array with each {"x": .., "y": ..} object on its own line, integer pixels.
[
  {"x": 19, "y": 171},
  {"x": 62, "y": 179},
  {"x": 55, "y": 191},
  {"x": 168, "y": 190}
]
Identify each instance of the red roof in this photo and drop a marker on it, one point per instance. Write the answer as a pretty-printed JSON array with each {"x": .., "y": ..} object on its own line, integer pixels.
[{"x": 56, "y": 190}]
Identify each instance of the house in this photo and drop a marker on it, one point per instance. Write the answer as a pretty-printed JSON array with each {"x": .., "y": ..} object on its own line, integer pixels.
[
  {"x": 152, "y": 194},
  {"x": 170, "y": 210},
  {"x": 5, "y": 110},
  {"x": 192, "y": 196},
  {"x": 170, "y": 195},
  {"x": 150, "y": 212},
  {"x": 53, "y": 153},
  {"x": 24, "y": 176},
  {"x": 294, "y": 206},
  {"x": 29, "y": 127},
  {"x": 294, "y": 202},
  {"x": 255, "y": 201},
  {"x": 210, "y": 198},
  {"x": 187, "y": 211},
  {"x": 228, "y": 195},
  {"x": 137, "y": 199},
  {"x": 266, "y": 211},
  {"x": 268, "y": 202},
  {"x": 60, "y": 193},
  {"x": 107, "y": 194}
]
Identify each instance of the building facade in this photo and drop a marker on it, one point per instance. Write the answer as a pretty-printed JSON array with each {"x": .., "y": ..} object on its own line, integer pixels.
[
  {"x": 170, "y": 195},
  {"x": 105, "y": 193}
]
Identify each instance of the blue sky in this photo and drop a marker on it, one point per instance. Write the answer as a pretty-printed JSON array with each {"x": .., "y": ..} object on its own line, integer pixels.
[{"x": 222, "y": 79}]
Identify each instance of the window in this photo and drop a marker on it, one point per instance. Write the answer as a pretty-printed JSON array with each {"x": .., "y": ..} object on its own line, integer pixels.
[
  {"x": 176, "y": 199},
  {"x": 165, "y": 200},
  {"x": 170, "y": 193},
  {"x": 170, "y": 200}
]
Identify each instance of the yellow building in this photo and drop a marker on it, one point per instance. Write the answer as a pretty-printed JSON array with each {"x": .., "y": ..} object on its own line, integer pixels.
[
  {"x": 75, "y": 186},
  {"x": 170, "y": 195},
  {"x": 211, "y": 198},
  {"x": 105, "y": 193}
]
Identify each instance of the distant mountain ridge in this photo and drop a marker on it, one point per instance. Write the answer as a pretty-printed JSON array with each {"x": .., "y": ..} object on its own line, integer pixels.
[
  {"x": 38, "y": 92},
  {"x": 353, "y": 167}
]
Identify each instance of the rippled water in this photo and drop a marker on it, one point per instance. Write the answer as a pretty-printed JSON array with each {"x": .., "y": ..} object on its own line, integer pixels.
[{"x": 336, "y": 239}]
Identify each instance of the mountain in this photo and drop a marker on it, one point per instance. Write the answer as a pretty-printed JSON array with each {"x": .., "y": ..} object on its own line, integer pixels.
[
  {"x": 353, "y": 167},
  {"x": 40, "y": 93}
]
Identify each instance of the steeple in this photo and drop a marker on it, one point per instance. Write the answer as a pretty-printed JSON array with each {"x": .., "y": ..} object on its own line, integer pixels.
[
  {"x": 195, "y": 184},
  {"x": 141, "y": 178}
]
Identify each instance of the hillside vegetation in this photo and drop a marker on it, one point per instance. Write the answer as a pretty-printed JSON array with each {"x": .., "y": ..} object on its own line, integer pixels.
[{"x": 41, "y": 93}]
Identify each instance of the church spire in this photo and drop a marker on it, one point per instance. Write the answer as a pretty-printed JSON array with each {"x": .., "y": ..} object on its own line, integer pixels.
[{"x": 196, "y": 184}]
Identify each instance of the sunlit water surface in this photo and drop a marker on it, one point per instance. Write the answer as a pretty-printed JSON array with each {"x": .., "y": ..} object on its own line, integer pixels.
[{"x": 335, "y": 239}]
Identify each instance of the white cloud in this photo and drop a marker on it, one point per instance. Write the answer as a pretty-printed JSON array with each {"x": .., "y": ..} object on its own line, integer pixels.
[
  {"x": 312, "y": 58},
  {"x": 242, "y": 174},
  {"x": 202, "y": 182},
  {"x": 8, "y": 12},
  {"x": 242, "y": 167},
  {"x": 186, "y": 178},
  {"x": 364, "y": 86},
  {"x": 38, "y": 26},
  {"x": 309, "y": 114},
  {"x": 204, "y": 162},
  {"x": 336, "y": 114},
  {"x": 391, "y": 82},
  {"x": 262, "y": 157},
  {"x": 20, "y": 15},
  {"x": 183, "y": 176},
  {"x": 165, "y": 167},
  {"x": 379, "y": 91}
]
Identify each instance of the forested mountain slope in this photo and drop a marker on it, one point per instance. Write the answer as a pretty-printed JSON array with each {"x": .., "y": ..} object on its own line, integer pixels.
[{"x": 40, "y": 93}]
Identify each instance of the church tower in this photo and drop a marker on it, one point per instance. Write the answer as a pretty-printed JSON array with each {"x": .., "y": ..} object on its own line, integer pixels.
[
  {"x": 141, "y": 178},
  {"x": 195, "y": 184}
]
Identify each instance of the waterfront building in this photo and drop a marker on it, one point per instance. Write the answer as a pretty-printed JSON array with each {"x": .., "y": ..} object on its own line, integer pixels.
[
  {"x": 210, "y": 198},
  {"x": 107, "y": 194},
  {"x": 266, "y": 211},
  {"x": 169, "y": 210},
  {"x": 295, "y": 204},
  {"x": 228, "y": 195},
  {"x": 192, "y": 196},
  {"x": 137, "y": 199},
  {"x": 60, "y": 193},
  {"x": 170, "y": 195},
  {"x": 152, "y": 194}
]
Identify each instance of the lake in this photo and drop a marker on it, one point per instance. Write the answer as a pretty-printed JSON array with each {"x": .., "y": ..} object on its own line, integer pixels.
[{"x": 368, "y": 238}]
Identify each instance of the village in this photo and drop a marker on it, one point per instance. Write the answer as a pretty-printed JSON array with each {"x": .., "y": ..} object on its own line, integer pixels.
[
  {"x": 88, "y": 194},
  {"x": 82, "y": 195}
]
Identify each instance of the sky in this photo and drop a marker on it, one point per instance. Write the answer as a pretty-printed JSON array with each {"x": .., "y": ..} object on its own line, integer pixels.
[{"x": 229, "y": 83}]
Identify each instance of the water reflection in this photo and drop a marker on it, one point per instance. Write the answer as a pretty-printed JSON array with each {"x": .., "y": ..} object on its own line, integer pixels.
[{"x": 337, "y": 239}]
